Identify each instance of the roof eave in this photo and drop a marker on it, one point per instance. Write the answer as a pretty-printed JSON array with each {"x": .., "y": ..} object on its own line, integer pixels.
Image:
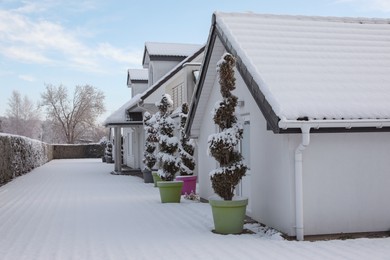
[
  {"x": 335, "y": 126},
  {"x": 198, "y": 88},
  {"x": 265, "y": 107}
]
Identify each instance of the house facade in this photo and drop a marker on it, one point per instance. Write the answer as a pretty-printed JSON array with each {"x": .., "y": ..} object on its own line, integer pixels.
[
  {"x": 166, "y": 66},
  {"x": 313, "y": 100}
]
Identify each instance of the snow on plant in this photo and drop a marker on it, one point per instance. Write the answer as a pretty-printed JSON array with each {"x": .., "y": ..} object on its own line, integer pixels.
[
  {"x": 168, "y": 143},
  {"x": 186, "y": 146},
  {"x": 21, "y": 154},
  {"x": 222, "y": 146},
  {"x": 151, "y": 141}
]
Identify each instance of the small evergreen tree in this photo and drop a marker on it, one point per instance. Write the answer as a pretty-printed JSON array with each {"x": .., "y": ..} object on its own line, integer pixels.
[
  {"x": 109, "y": 152},
  {"x": 168, "y": 143},
  {"x": 222, "y": 145},
  {"x": 150, "y": 142},
  {"x": 186, "y": 147}
]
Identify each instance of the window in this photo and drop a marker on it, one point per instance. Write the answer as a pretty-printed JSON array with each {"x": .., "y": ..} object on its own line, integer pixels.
[
  {"x": 177, "y": 96},
  {"x": 134, "y": 116}
]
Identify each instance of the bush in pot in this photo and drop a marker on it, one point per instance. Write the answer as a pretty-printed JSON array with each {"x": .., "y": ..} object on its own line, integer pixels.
[
  {"x": 222, "y": 146},
  {"x": 186, "y": 153},
  {"x": 150, "y": 146},
  {"x": 167, "y": 160}
]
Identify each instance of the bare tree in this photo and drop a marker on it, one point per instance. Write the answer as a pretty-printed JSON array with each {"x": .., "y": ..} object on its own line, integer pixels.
[
  {"x": 23, "y": 117},
  {"x": 75, "y": 115}
]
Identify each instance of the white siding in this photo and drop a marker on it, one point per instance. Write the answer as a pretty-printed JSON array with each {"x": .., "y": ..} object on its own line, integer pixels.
[{"x": 346, "y": 183}]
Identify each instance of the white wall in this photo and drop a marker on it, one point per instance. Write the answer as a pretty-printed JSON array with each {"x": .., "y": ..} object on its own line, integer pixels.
[
  {"x": 129, "y": 134},
  {"x": 271, "y": 175},
  {"x": 160, "y": 68},
  {"x": 126, "y": 150},
  {"x": 271, "y": 191},
  {"x": 346, "y": 177},
  {"x": 138, "y": 88},
  {"x": 347, "y": 183}
]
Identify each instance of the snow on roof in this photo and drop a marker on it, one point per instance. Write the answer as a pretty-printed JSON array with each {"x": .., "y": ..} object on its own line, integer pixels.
[
  {"x": 171, "y": 49},
  {"x": 315, "y": 67},
  {"x": 173, "y": 72},
  {"x": 138, "y": 74},
  {"x": 119, "y": 116}
]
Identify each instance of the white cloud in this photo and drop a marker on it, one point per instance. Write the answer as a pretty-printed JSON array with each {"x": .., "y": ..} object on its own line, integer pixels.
[
  {"x": 108, "y": 51},
  {"x": 29, "y": 40},
  {"x": 24, "y": 54},
  {"x": 27, "y": 78}
]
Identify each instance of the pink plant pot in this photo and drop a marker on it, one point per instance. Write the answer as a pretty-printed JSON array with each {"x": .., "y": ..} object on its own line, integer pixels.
[{"x": 189, "y": 184}]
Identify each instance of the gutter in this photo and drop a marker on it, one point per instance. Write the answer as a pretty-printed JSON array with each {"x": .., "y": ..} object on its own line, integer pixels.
[
  {"x": 347, "y": 124},
  {"x": 305, "y": 127}
]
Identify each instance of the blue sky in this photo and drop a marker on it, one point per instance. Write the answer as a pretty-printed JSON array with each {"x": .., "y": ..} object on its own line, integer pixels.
[{"x": 94, "y": 42}]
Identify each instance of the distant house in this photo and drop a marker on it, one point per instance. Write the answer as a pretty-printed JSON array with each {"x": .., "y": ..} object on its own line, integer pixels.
[
  {"x": 314, "y": 100},
  {"x": 168, "y": 68}
]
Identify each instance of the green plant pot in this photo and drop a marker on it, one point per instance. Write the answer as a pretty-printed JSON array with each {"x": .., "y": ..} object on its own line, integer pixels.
[
  {"x": 170, "y": 191},
  {"x": 228, "y": 215},
  {"x": 156, "y": 178}
]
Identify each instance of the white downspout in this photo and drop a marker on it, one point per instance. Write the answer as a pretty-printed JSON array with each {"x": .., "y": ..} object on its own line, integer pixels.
[{"x": 299, "y": 182}]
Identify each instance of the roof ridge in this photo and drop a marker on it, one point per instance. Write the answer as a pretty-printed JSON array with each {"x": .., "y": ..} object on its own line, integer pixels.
[{"x": 345, "y": 19}]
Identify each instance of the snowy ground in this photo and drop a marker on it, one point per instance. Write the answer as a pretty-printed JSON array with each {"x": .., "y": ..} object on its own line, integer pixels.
[{"x": 75, "y": 209}]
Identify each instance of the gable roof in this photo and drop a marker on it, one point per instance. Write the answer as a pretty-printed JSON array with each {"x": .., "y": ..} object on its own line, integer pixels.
[
  {"x": 119, "y": 116},
  {"x": 172, "y": 72},
  {"x": 176, "y": 51},
  {"x": 307, "y": 68},
  {"x": 137, "y": 76}
]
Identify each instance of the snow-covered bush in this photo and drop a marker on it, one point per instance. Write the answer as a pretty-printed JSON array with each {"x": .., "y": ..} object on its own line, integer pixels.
[
  {"x": 103, "y": 141},
  {"x": 108, "y": 152},
  {"x": 20, "y": 155},
  {"x": 186, "y": 146},
  {"x": 168, "y": 143},
  {"x": 222, "y": 145},
  {"x": 151, "y": 141}
]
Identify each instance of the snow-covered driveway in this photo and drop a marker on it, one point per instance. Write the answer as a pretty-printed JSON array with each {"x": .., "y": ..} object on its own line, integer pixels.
[{"x": 75, "y": 209}]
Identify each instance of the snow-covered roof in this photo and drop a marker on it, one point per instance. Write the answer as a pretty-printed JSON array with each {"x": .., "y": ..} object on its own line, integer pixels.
[
  {"x": 306, "y": 67},
  {"x": 138, "y": 74},
  {"x": 315, "y": 67},
  {"x": 171, "y": 49},
  {"x": 192, "y": 56},
  {"x": 119, "y": 116},
  {"x": 175, "y": 51}
]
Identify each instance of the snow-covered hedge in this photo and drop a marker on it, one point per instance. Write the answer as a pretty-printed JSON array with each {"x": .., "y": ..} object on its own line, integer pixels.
[
  {"x": 72, "y": 151},
  {"x": 19, "y": 155}
]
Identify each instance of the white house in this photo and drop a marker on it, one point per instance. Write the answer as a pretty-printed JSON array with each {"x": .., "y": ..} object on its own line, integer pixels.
[
  {"x": 314, "y": 98},
  {"x": 164, "y": 64}
]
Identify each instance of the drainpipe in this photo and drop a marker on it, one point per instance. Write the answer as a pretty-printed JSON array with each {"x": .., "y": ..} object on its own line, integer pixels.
[{"x": 299, "y": 183}]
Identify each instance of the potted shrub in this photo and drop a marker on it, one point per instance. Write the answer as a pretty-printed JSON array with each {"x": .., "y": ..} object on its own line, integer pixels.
[
  {"x": 109, "y": 153},
  {"x": 150, "y": 147},
  {"x": 228, "y": 212},
  {"x": 103, "y": 143},
  {"x": 186, "y": 154},
  {"x": 170, "y": 190}
]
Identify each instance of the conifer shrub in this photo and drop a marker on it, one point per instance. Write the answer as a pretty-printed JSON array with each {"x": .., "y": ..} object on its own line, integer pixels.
[
  {"x": 168, "y": 143},
  {"x": 150, "y": 142},
  {"x": 186, "y": 146},
  {"x": 223, "y": 145}
]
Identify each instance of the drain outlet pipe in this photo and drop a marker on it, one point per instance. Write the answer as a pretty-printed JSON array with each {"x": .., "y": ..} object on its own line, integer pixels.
[{"x": 299, "y": 181}]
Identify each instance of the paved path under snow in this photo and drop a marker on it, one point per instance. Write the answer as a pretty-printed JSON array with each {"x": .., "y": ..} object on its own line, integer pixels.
[{"x": 75, "y": 209}]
